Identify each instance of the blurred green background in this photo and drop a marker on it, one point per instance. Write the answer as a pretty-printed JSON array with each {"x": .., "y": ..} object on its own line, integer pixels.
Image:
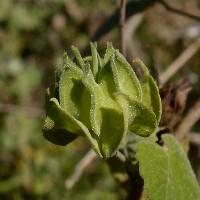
[{"x": 33, "y": 36}]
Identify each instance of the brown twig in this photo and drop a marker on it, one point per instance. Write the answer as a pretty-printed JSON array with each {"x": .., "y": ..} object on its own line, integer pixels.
[
  {"x": 188, "y": 121},
  {"x": 129, "y": 30},
  {"x": 132, "y": 8},
  {"x": 194, "y": 138},
  {"x": 180, "y": 61},
  {"x": 79, "y": 169},
  {"x": 177, "y": 11},
  {"x": 121, "y": 25}
]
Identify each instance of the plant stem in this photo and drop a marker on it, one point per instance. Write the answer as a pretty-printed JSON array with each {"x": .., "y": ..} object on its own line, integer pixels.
[
  {"x": 177, "y": 11},
  {"x": 121, "y": 25},
  {"x": 180, "y": 61}
]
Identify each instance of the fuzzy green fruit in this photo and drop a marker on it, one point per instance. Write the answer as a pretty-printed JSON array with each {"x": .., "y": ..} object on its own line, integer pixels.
[{"x": 101, "y": 98}]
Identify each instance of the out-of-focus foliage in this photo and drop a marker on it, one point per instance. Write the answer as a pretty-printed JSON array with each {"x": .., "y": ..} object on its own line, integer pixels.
[{"x": 33, "y": 36}]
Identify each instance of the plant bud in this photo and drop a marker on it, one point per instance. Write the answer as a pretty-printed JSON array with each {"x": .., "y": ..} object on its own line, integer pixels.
[{"x": 102, "y": 99}]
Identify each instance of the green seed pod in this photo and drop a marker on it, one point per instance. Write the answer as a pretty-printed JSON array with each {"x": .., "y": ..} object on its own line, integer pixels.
[{"x": 102, "y": 99}]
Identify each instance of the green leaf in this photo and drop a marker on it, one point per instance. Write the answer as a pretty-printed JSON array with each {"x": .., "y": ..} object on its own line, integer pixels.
[
  {"x": 95, "y": 62},
  {"x": 104, "y": 61},
  {"x": 109, "y": 53},
  {"x": 125, "y": 78},
  {"x": 78, "y": 57},
  {"x": 113, "y": 129},
  {"x": 74, "y": 97},
  {"x": 150, "y": 92},
  {"x": 58, "y": 127},
  {"x": 60, "y": 122},
  {"x": 107, "y": 116},
  {"x": 57, "y": 136},
  {"x": 141, "y": 120},
  {"x": 56, "y": 117},
  {"x": 166, "y": 171}
]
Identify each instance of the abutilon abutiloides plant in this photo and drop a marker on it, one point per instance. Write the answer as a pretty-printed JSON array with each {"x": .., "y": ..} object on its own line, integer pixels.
[{"x": 102, "y": 99}]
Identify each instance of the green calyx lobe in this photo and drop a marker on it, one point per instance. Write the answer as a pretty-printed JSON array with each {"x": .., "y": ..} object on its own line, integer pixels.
[{"x": 101, "y": 98}]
